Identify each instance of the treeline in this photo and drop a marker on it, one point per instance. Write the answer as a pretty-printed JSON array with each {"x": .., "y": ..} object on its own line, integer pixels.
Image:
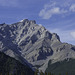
[
  {"x": 49, "y": 73},
  {"x": 16, "y": 73},
  {"x": 10, "y": 66},
  {"x": 36, "y": 73}
]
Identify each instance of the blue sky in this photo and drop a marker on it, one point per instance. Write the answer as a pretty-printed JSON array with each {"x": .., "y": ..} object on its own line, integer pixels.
[{"x": 56, "y": 15}]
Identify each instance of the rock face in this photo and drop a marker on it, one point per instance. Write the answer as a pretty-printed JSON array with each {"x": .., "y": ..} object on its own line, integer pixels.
[{"x": 28, "y": 42}]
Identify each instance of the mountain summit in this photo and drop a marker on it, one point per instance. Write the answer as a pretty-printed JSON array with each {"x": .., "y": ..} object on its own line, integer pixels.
[{"x": 30, "y": 43}]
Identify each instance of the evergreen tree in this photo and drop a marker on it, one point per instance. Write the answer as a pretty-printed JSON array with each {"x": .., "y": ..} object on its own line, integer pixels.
[
  {"x": 66, "y": 73},
  {"x": 7, "y": 73},
  {"x": 21, "y": 73},
  {"x": 41, "y": 73},
  {"x": 0, "y": 73},
  {"x": 45, "y": 73},
  {"x": 36, "y": 72},
  {"x": 49, "y": 73},
  {"x": 52, "y": 74},
  {"x": 59, "y": 73}
]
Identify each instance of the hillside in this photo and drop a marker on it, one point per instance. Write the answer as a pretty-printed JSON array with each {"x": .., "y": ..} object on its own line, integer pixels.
[
  {"x": 10, "y": 66},
  {"x": 62, "y": 67}
]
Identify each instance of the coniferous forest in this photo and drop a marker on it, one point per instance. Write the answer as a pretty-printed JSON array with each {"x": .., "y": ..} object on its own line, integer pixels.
[
  {"x": 10, "y": 66},
  {"x": 63, "y": 67}
]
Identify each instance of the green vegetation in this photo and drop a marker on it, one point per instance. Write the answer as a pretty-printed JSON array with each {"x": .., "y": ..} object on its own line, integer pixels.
[
  {"x": 66, "y": 67},
  {"x": 47, "y": 73},
  {"x": 10, "y": 66}
]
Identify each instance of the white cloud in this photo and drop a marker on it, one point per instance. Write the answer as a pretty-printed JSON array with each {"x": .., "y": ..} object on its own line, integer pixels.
[
  {"x": 47, "y": 13},
  {"x": 11, "y": 3},
  {"x": 57, "y": 8},
  {"x": 51, "y": 9},
  {"x": 72, "y": 8},
  {"x": 73, "y": 34}
]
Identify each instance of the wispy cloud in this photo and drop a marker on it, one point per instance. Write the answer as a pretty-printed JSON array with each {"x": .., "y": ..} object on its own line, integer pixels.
[
  {"x": 73, "y": 34},
  {"x": 46, "y": 14},
  {"x": 56, "y": 8},
  {"x": 72, "y": 8},
  {"x": 11, "y": 3}
]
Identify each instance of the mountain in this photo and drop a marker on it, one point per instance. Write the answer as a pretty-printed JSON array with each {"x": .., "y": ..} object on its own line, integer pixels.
[
  {"x": 33, "y": 44},
  {"x": 10, "y": 66}
]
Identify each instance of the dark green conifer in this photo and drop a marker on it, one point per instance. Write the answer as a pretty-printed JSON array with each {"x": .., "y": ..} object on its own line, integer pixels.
[
  {"x": 41, "y": 73},
  {"x": 45, "y": 73}
]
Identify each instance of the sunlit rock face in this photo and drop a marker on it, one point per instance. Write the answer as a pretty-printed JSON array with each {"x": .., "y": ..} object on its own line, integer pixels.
[{"x": 32, "y": 43}]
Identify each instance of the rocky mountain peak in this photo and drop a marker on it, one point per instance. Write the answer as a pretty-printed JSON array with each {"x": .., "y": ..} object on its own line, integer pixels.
[
  {"x": 25, "y": 21},
  {"x": 32, "y": 22}
]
